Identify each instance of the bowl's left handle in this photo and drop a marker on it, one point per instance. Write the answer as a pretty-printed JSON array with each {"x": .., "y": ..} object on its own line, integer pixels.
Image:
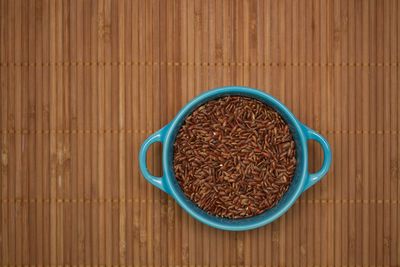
[{"x": 154, "y": 180}]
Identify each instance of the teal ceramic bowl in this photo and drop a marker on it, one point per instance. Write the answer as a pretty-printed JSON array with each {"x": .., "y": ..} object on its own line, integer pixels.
[{"x": 301, "y": 180}]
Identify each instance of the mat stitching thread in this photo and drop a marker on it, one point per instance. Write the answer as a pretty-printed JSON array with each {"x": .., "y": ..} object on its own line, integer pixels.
[
  {"x": 130, "y": 200},
  {"x": 161, "y": 63},
  {"x": 91, "y": 131},
  {"x": 183, "y": 265}
]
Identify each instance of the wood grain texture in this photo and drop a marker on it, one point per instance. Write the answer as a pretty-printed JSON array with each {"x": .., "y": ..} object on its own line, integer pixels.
[{"x": 84, "y": 82}]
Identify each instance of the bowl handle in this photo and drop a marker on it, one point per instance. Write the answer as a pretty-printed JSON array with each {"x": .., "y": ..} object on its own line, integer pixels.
[
  {"x": 155, "y": 137},
  {"x": 315, "y": 177}
]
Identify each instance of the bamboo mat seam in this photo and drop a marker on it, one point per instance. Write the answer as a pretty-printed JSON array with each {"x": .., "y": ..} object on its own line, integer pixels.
[
  {"x": 102, "y": 131},
  {"x": 201, "y": 64},
  {"x": 118, "y": 200}
]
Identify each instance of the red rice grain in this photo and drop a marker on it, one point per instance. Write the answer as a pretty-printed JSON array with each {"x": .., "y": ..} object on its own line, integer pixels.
[{"x": 234, "y": 157}]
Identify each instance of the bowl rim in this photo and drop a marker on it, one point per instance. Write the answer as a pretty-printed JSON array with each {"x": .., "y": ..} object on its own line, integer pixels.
[{"x": 169, "y": 138}]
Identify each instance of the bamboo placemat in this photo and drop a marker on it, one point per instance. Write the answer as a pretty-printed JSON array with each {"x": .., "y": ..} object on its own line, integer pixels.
[{"x": 83, "y": 83}]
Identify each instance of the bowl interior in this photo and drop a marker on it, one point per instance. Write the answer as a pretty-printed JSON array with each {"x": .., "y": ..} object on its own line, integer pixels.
[{"x": 284, "y": 203}]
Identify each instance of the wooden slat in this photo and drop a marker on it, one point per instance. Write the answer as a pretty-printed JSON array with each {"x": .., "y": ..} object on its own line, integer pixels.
[
  {"x": 350, "y": 147},
  {"x": 373, "y": 125},
  {"x": 83, "y": 83},
  {"x": 296, "y": 110},
  {"x": 95, "y": 138},
  {"x": 337, "y": 79},
  {"x": 380, "y": 45},
  {"x": 31, "y": 121},
  {"x": 135, "y": 116},
  {"x": 45, "y": 138},
  {"x": 358, "y": 125},
  {"x": 59, "y": 142},
  {"x": 188, "y": 250},
  {"x": 394, "y": 142},
  {"x": 386, "y": 125},
  {"x": 365, "y": 138},
  {"x": 4, "y": 126}
]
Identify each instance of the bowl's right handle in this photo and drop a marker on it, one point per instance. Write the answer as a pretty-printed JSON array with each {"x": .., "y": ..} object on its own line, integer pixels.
[
  {"x": 315, "y": 177},
  {"x": 155, "y": 137}
]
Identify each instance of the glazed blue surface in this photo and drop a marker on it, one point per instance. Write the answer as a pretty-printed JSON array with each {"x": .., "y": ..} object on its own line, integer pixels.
[{"x": 301, "y": 180}]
